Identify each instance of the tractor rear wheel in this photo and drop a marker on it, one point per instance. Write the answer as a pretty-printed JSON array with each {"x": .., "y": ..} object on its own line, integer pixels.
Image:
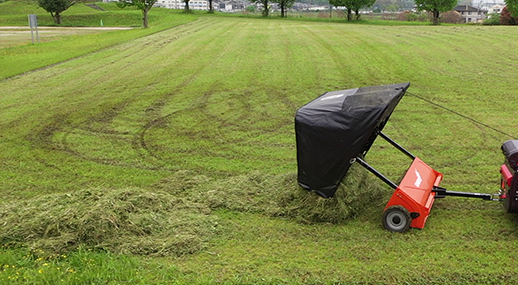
[
  {"x": 397, "y": 219},
  {"x": 511, "y": 201}
]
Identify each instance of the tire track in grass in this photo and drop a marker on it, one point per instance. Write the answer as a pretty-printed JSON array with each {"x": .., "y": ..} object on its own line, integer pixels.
[
  {"x": 230, "y": 125},
  {"x": 199, "y": 107},
  {"x": 142, "y": 142},
  {"x": 98, "y": 125},
  {"x": 156, "y": 108},
  {"x": 251, "y": 105},
  {"x": 115, "y": 110},
  {"x": 90, "y": 74},
  {"x": 232, "y": 129}
]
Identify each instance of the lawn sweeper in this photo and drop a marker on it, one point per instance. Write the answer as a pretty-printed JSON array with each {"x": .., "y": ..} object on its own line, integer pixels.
[{"x": 338, "y": 128}]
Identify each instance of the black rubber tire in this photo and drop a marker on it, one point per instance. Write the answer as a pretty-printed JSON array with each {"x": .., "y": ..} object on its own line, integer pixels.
[
  {"x": 511, "y": 202},
  {"x": 397, "y": 219}
]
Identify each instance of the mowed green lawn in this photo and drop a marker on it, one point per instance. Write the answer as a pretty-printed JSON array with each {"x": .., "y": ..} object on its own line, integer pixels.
[{"x": 217, "y": 97}]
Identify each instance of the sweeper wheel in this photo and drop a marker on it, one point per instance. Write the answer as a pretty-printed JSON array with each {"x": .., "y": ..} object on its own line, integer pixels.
[{"x": 397, "y": 219}]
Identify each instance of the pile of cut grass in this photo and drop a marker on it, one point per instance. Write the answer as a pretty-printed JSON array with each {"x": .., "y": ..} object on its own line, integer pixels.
[
  {"x": 280, "y": 195},
  {"x": 176, "y": 216},
  {"x": 132, "y": 221}
]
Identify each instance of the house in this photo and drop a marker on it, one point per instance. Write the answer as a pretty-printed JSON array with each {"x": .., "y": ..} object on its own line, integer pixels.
[
  {"x": 470, "y": 13},
  {"x": 232, "y": 5},
  {"x": 179, "y": 4},
  {"x": 495, "y": 9}
]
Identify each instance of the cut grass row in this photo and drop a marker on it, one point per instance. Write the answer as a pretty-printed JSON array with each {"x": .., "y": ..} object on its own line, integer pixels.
[{"x": 217, "y": 96}]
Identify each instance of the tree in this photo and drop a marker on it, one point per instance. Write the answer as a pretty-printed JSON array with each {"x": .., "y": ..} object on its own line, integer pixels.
[
  {"x": 211, "y": 7},
  {"x": 393, "y": 8},
  {"x": 512, "y": 7},
  {"x": 393, "y": 5},
  {"x": 285, "y": 4},
  {"x": 56, "y": 7},
  {"x": 142, "y": 5},
  {"x": 352, "y": 5},
  {"x": 187, "y": 9},
  {"x": 435, "y": 7},
  {"x": 506, "y": 18},
  {"x": 348, "y": 4},
  {"x": 360, "y": 4},
  {"x": 405, "y": 4},
  {"x": 266, "y": 6}
]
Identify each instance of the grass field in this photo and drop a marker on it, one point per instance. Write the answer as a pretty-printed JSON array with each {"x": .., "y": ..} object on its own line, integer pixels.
[
  {"x": 15, "y": 49},
  {"x": 16, "y": 36},
  {"x": 202, "y": 115}
]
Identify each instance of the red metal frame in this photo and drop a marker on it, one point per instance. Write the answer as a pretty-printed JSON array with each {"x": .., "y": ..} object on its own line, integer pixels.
[{"x": 506, "y": 175}]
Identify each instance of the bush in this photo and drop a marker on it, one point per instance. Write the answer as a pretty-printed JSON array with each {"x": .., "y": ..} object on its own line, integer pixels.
[
  {"x": 407, "y": 16},
  {"x": 413, "y": 17},
  {"x": 323, "y": 15},
  {"x": 492, "y": 19},
  {"x": 452, "y": 17}
]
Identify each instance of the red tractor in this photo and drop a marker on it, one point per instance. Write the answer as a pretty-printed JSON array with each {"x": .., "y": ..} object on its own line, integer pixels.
[{"x": 509, "y": 181}]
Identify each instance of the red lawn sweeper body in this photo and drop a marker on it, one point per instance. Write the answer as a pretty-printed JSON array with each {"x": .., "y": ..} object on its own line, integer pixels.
[{"x": 338, "y": 128}]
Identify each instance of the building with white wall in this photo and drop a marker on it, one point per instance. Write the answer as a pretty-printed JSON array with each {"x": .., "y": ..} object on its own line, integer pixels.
[
  {"x": 470, "y": 14},
  {"x": 495, "y": 9},
  {"x": 179, "y": 4}
]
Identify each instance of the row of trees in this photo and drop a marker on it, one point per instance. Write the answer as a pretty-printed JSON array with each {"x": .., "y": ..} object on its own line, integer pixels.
[
  {"x": 435, "y": 7},
  {"x": 283, "y": 4},
  {"x": 56, "y": 7},
  {"x": 352, "y": 5}
]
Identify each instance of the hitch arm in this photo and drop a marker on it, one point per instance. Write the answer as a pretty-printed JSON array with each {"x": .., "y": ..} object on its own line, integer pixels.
[{"x": 442, "y": 192}]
